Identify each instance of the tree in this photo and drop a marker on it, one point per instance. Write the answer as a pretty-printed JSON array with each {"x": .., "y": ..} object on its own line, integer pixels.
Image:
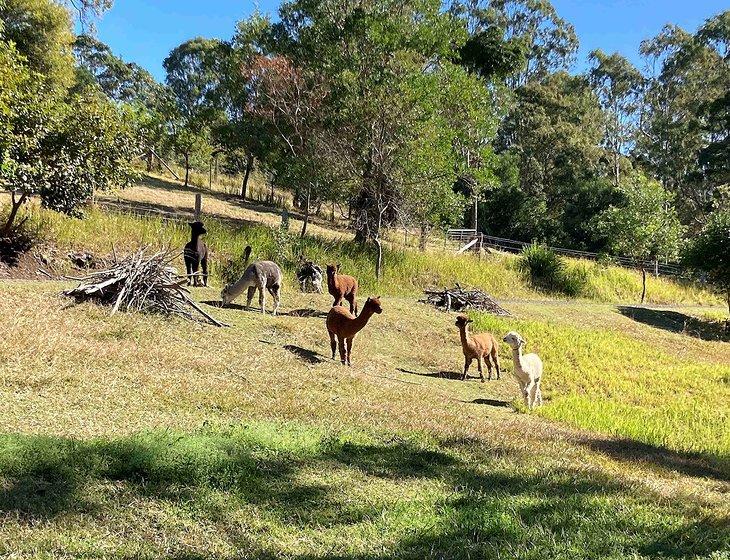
[
  {"x": 195, "y": 70},
  {"x": 618, "y": 86},
  {"x": 645, "y": 226},
  {"x": 710, "y": 251}
]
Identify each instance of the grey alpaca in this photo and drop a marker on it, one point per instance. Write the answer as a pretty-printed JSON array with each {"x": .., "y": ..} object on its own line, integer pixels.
[{"x": 259, "y": 275}]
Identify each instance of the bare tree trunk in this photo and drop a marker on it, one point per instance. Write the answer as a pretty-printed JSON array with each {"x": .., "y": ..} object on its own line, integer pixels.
[
  {"x": 423, "y": 238},
  {"x": 150, "y": 160},
  {"x": 643, "y": 284},
  {"x": 215, "y": 167},
  {"x": 616, "y": 168},
  {"x": 378, "y": 258},
  {"x": 15, "y": 206},
  {"x": 306, "y": 212},
  {"x": 187, "y": 169},
  {"x": 656, "y": 267},
  {"x": 475, "y": 214},
  {"x": 246, "y": 175}
]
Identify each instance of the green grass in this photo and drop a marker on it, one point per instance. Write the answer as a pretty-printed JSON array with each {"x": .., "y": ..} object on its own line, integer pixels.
[{"x": 266, "y": 490}]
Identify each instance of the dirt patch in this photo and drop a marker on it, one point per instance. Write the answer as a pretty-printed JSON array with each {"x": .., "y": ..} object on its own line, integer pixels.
[{"x": 46, "y": 262}]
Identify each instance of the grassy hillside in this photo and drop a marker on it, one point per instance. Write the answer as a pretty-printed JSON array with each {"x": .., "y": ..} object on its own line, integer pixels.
[
  {"x": 144, "y": 436},
  {"x": 140, "y": 436},
  {"x": 155, "y": 213}
]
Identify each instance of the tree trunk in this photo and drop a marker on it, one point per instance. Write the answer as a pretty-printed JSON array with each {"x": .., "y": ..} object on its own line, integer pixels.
[
  {"x": 643, "y": 284},
  {"x": 378, "y": 258},
  {"x": 475, "y": 214},
  {"x": 656, "y": 267},
  {"x": 616, "y": 168},
  {"x": 215, "y": 168},
  {"x": 306, "y": 212},
  {"x": 15, "y": 206},
  {"x": 150, "y": 160},
  {"x": 246, "y": 175},
  {"x": 423, "y": 238},
  {"x": 187, "y": 169}
]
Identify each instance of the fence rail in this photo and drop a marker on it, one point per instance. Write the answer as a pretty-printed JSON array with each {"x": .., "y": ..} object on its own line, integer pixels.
[{"x": 463, "y": 236}]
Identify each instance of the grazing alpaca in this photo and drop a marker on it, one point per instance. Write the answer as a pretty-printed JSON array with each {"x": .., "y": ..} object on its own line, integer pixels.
[
  {"x": 259, "y": 275},
  {"x": 309, "y": 276},
  {"x": 344, "y": 326},
  {"x": 341, "y": 286},
  {"x": 528, "y": 370},
  {"x": 477, "y": 346},
  {"x": 196, "y": 255}
]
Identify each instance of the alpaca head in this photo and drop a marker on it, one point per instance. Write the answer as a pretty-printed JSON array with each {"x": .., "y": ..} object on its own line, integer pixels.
[
  {"x": 197, "y": 228},
  {"x": 374, "y": 304},
  {"x": 332, "y": 269},
  {"x": 226, "y": 296},
  {"x": 462, "y": 321},
  {"x": 514, "y": 340}
]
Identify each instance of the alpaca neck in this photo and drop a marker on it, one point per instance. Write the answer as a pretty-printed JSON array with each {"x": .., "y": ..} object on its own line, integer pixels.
[
  {"x": 331, "y": 282},
  {"x": 361, "y": 320},
  {"x": 465, "y": 338},
  {"x": 240, "y": 285},
  {"x": 517, "y": 355},
  {"x": 194, "y": 238}
]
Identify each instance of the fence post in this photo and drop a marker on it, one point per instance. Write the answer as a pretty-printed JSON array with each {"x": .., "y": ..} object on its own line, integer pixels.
[{"x": 198, "y": 206}]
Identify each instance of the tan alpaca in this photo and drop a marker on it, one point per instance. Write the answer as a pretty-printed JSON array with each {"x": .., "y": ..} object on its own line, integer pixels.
[
  {"x": 343, "y": 325},
  {"x": 342, "y": 286},
  {"x": 477, "y": 346}
]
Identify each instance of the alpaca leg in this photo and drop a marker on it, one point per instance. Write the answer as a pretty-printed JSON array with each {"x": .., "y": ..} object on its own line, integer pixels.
[
  {"x": 495, "y": 359},
  {"x": 348, "y": 347},
  {"x": 249, "y": 295},
  {"x": 262, "y": 300},
  {"x": 354, "y": 303},
  {"x": 488, "y": 361},
  {"x": 467, "y": 363},
  {"x": 333, "y": 343},
  {"x": 343, "y": 351},
  {"x": 529, "y": 393},
  {"x": 204, "y": 265},
  {"x": 194, "y": 266},
  {"x": 189, "y": 271},
  {"x": 479, "y": 367},
  {"x": 276, "y": 294},
  {"x": 538, "y": 393}
]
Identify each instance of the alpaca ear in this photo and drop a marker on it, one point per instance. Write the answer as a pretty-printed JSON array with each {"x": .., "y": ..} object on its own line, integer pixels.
[
  {"x": 337, "y": 268},
  {"x": 470, "y": 320}
]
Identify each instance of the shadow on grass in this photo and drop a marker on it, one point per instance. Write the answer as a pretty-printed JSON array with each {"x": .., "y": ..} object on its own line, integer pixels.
[
  {"x": 491, "y": 402},
  {"x": 306, "y": 313},
  {"x": 453, "y": 375},
  {"x": 461, "y": 500},
  {"x": 304, "y": 354},
  {"x": 691, "y": 464},
  {"x": 677, "y": 322}
]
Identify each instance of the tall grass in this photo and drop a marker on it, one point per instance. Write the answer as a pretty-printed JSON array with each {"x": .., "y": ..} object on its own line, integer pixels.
[{"x": 406, "y": 271}]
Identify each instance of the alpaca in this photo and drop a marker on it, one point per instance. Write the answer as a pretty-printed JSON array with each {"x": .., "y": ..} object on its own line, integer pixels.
[
  {"x": 196, "y": 255},
  {"x": 341, "y": 286},
  {"x": 528, "y": 370},
  {"x": 261, "y": 275},
  {"x": 477, "y": 346},
  {"x": 343, "y": 326},
  {"x": 309, "y": 276}
]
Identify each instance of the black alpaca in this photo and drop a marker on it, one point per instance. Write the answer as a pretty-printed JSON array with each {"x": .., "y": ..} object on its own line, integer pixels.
[{"x": 196, "y": 255}]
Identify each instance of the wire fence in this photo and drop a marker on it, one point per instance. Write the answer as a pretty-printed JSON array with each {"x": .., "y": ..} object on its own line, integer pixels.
[{"x": 465, "y": 236}]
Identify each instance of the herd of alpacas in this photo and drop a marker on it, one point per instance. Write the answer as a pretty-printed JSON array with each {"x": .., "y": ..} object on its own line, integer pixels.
[{"x": 343, "y": 324}]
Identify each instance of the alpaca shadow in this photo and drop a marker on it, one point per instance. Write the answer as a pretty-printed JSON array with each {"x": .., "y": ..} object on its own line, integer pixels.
[
  {"x": 309, "y": 356},
  {"x": 217, "y": 303},
  {"x": 306, "y": 313},
  {"x": 677, "y": 322},
  {"x": 491, "y": 402},
  {"x": 452, "y": 375}
]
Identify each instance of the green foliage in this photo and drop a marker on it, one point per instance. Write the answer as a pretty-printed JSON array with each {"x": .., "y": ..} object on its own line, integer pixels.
[
  {"x": 548, "y": 271},
  {"x": 645, "y": 224},
  {"x": 710, "y": 251}
]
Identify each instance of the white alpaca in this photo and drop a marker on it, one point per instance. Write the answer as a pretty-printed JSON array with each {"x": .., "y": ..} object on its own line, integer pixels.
[
  {"x": 528, "y": 370},
  {"x": 261, "y": 276}
]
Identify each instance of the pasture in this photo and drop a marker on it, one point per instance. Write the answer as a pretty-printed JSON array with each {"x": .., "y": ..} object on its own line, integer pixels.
[{"x": 143, "y": 436}]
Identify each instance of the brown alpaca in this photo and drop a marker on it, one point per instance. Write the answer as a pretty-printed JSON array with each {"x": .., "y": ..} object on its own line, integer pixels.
[
  {"x": 344, "y": 325},
  {"x": 477, "y": 346},
  {"x": 341, "y": 286}
]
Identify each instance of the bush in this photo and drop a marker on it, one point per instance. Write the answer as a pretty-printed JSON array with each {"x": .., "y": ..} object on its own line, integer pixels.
[{"x": 547, "y": 271}]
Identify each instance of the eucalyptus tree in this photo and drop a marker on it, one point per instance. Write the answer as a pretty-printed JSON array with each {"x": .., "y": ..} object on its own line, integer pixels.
[{"x": 618, "y": 86}]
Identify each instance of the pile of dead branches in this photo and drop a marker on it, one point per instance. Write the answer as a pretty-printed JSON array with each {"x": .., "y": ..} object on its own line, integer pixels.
[
  {"x": 140, "y": 283},
  {"x": 460, "y": 299}
]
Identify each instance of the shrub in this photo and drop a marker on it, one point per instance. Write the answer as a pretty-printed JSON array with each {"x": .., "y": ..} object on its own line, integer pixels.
[{"x": 547, "y": 271}]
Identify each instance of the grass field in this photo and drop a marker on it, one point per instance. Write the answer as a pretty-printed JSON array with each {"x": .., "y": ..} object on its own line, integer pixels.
[{"x": 142, "y": 437}]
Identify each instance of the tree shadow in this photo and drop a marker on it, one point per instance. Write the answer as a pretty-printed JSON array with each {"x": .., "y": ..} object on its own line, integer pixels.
[
  {"x": 309, "y": 356},
  {"x": 691, "y": 464},
  {"x": 677, "y": 322},
  {"x": 480, "y": 504},
  {"x": 491, "y": 402}
]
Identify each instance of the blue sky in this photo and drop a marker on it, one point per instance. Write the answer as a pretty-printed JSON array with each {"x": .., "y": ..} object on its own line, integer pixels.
[{"x": 144, "y": 31}]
